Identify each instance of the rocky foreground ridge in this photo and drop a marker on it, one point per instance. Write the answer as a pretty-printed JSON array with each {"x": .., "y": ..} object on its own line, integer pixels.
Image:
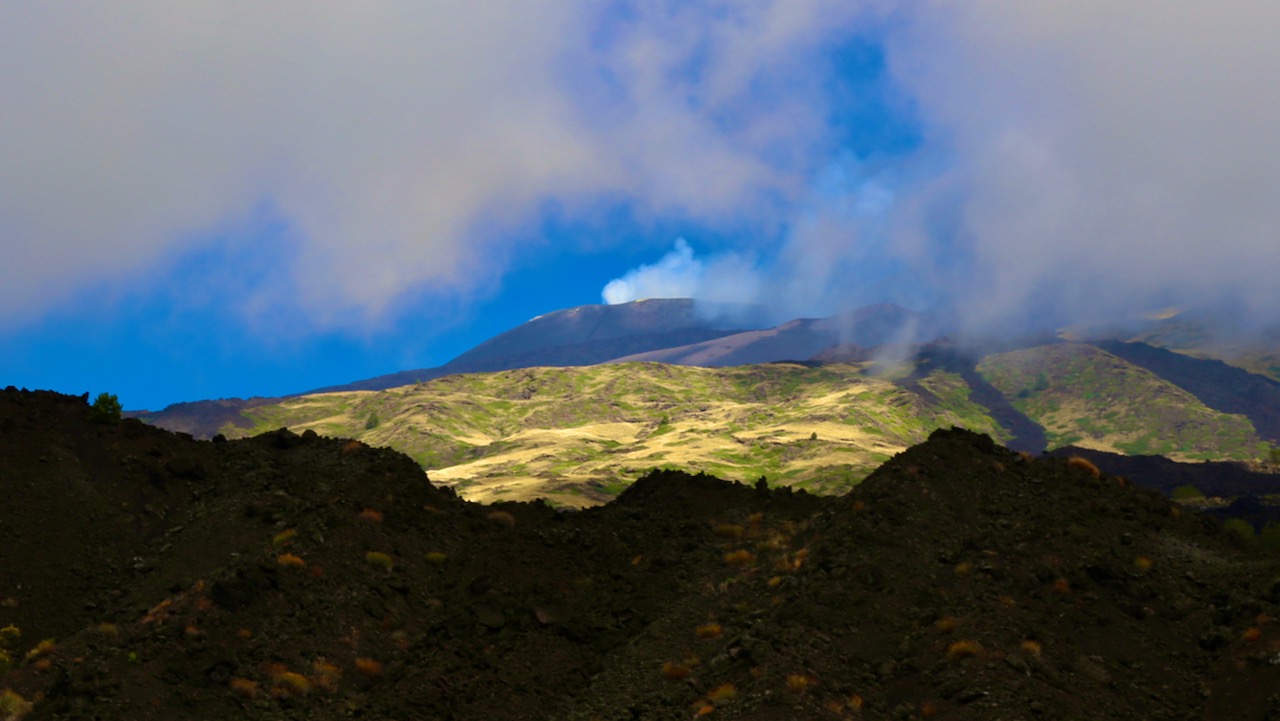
[{"x": 298, "y": 577}]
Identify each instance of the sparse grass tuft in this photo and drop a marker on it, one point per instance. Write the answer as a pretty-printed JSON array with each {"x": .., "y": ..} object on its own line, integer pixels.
[
  {"x": 13, "y": 706},
  {"x": 290, "y": 560},
  {"x": 44, "y": 648},
  {"x": 283, "y": 538},
  {"x": 378, "y": 558},
  {"x": 244, "y": 688},
  {"x": 1083, "y": 464},
  {"x": 964, "y": 649},
  {"x": 799, "y": 683},
  {"x": 708, "y": 631},
  {"x": 722, "y": 694},
  {"x": 291, "y": 684},
  {"x": 502, "y": 518},
  {"x": 675, "y": 671},
  {"x": 368, "y": 667},
  {"x": 436, "y": 558}
]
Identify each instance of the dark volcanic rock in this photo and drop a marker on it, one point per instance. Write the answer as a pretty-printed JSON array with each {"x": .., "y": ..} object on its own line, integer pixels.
[{"x": 296, "y": 577}]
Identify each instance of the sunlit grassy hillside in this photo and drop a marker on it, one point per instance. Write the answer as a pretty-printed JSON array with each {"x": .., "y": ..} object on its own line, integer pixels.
[
  {"x": 577, "y": 435},
  {"x": 1087, "y": 397}
]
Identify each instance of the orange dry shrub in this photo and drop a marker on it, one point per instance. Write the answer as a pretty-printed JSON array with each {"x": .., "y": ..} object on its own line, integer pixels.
[
  {"x": 289, "y": 560},
  {"x": 708, "y": 631},
  {"x": 1031, "y": 647},
  {"x": 1142, "y": 564},
  {"x": 243, "y": 688},
  {"x": 44, "y": 648},
  {"x": 673, "y": 671},
  {"x": 964, "y": 649},
  {"x": 326, "y": 675},
  {"x": 856, "y": 702},
  {"x": 502, "y": 518},
  {"x": 1251, "y": 634},
  {"x": 13, "y": 706},
  {"x": 946, "y": 624},
  {"x": 722, "y": 694},
  {"x": 370, "y": 515},
  {"x": 290, "y": 684},
  {"x": 963, "y": 568},
  {"x": 740, "y": 557},
  {"x": 1062, "y": 586},
  {"x": 702, "y": 708},
  {"x": 369, "y": 668},
  {"x": 352, "y": 446},
  {"x": 799, "y": 683},
  {"x": 928, "y": 709},
  {"x": 107, "y": 629},
  {"x": 1083, "y": 464}
]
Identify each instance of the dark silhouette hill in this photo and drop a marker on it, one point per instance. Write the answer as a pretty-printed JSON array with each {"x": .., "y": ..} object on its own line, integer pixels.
[{"x": 294, "y": 577}]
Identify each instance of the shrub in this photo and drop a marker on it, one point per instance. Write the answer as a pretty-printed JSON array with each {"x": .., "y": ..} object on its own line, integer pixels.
[
  {"x": 964, "y": 649},
  {"x": 1083, "y": 464},
  {"x": 283, "y": 537},
  {"x": 1240, "y": 527},
  {"x": 708, "y": 631},
  {"x": 289, "y": 560},
  {"x": 723, "y": 693},
  {"x": 799, "y": 683},
  {"x": 13, "y": 706},
  {"x": 673, "y": 671},
  {"x": 106, "y": 409},
  {"x": 1186, "y": 493},
  {"x": 378, "y": 558},
  {"x": 368, "y": 667}
]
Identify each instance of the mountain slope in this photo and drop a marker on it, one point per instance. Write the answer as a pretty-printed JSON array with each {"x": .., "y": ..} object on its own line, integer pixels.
[
  {"x": 800, "y": 339},
  {"x": 573, "y": 435},
  {"x": 587, "y": 335},
  {"x": 1084, "y": 396},
  {"x": 1214, "y": 383}
]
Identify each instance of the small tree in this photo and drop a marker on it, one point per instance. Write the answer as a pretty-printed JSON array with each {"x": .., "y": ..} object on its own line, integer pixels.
[
  {"x": 372, "y": 422},
  {"x": 106, "y": 409}
]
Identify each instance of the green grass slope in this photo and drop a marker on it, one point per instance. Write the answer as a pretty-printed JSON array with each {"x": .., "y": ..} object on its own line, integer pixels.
[
  {"x": 576, "y": 436},
  {"x": 1087, "y": 397}
]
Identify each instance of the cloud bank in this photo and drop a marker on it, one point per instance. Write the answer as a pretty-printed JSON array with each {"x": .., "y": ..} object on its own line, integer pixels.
[
  {"x": 1077, "y": 161},
  {"x": 402, "y": 144},
  {"x": 1073, "y": 159}
]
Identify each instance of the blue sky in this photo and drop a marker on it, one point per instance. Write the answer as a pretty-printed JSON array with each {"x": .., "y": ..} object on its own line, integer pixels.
[{"x": 200, "y": 200}]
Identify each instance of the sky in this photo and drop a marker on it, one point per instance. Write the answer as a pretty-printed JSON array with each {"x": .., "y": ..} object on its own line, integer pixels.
[{"x": 224, "y": 199}]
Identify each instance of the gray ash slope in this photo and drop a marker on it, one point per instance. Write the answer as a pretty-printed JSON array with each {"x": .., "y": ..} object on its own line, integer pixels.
[{"x": 959, "y": 581}]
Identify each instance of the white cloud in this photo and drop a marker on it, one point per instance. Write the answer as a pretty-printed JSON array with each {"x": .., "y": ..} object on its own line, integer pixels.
[
  {"x": 400, "y": 141},
  {"x": 1102, "y": 156}
]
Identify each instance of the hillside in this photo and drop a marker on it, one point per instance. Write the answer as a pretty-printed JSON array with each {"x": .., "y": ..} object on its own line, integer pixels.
[
  {"x": 1082, "y": 395},
  {"x": 574, "y": 435},
  {"x": 297, "y": 577}
]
